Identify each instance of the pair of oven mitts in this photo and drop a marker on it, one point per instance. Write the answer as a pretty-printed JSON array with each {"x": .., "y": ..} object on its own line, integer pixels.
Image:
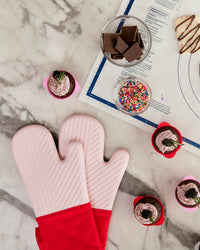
[{"x": 72, "y": 192}]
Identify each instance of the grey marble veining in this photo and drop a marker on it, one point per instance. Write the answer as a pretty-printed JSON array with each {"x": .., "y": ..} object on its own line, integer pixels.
[
  {"x": 40, "y": 36},
  {"x": 4, "y": 196},
  {"x": 15, "y": 116},
  {"x": 133, "y": 186}
]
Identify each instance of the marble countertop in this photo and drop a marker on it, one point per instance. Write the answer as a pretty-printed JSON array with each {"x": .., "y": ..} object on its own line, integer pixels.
[{"x": 37, "y": 37}]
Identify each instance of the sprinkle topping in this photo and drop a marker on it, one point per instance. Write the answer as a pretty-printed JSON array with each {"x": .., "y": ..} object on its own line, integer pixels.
[{"x": 133, "y": 96}]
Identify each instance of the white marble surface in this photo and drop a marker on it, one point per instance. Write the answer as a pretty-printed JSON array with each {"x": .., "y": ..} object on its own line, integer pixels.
[{"x": 37, "y": 37}]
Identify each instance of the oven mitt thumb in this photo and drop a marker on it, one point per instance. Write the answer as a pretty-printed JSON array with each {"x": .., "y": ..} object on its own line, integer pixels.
[
  {"x": 57, "y": 190},
  {"x": 103, "y": 178}
]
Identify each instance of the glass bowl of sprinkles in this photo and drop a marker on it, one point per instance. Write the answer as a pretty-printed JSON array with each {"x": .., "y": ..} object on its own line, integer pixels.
[{"x": 132, "y": 96}]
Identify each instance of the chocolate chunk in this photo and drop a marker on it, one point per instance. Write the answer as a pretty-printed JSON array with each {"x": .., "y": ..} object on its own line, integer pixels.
[
  {"x": 133, "y": 52},
  {"x": 141, "y": 44},
  {"x": 129, "y": 33},
  {"x": 121, "y": 46},
  {"x": 117, "y": 56},
  {"x": 126, "y": 44},
  {"x": 139, "y": 40},
  {"x": 109, "y": 42},
  {"x": 138, "y": 37},
  {"x": 130, "y": 43}
]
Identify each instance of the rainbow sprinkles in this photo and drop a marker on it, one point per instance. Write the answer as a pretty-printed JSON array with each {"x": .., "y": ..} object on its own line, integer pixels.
[{"x": 134, "y": 96}]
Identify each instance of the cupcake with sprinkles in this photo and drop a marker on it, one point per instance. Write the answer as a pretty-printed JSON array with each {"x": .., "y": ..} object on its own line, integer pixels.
[{"x": 132, "y": 96}]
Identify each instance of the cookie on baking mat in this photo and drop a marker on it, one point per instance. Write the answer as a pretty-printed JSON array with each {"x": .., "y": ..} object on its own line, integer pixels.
[{"x": 188, "y": 33}]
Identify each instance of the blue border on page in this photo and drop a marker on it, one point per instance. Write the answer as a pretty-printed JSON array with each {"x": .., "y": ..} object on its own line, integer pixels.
[{"x": 90, "y": 94}]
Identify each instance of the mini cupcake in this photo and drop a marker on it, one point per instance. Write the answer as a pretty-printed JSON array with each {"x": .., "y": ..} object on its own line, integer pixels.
[
  {"x": 188, "y": 193},
  {"x": 166, "y": 140},
  {"x": 148, "y": 211},
  {"x": 197, "y": 246},
  {"x": 61, "y": 84}
]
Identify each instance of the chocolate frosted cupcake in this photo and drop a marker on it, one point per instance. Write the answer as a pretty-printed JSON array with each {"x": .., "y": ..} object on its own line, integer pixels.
[
  {"x": 61, "y": 84},
  {"x": 166, "y": 140},
  {"x": 148, "y": 211},
  {"x": 188, "y": 193},
  {"x": 197, "y": 246}
]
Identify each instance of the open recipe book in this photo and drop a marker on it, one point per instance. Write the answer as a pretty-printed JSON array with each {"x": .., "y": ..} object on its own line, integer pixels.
[{"x": 174, "y": 78}]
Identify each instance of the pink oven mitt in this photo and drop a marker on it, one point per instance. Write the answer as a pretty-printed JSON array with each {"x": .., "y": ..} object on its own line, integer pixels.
[
  {"x": 57, "y": 190},
  {"x": 103, "y": 178}
]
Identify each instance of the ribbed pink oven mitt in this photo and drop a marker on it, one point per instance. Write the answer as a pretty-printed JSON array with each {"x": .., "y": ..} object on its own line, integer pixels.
[
  {"x": 57, "y": 190},
  {"x": 103, "y": 178}
]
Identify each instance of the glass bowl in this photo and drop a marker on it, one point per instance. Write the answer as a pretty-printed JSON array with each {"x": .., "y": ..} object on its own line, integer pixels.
[
  {"x": 114, "y": 26},
  {"x": 132, "y": 96}
]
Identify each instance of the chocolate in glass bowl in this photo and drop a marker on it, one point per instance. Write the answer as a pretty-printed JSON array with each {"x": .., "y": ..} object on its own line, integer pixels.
[{"x": 114, "y": 27}]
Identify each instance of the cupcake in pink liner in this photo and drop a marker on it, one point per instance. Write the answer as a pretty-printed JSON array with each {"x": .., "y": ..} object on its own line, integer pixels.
[
  {"x": 148, "y": 211},
  {"x": 197, "y": 246},
  {"x": 187, "y": 193},
  {"x": 166, "y": 140},
  {"x": 61, "y": 84}
]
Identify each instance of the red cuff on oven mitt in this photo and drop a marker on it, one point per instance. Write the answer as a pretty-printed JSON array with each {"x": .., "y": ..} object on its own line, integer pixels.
[
  {"x": 57, "y": 190},
  {"x": 72, "y": 228},
  {"x": 103, "y": 178}
]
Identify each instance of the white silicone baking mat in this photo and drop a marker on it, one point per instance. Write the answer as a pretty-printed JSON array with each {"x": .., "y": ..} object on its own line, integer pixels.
[{"x": 174, "y": 79}]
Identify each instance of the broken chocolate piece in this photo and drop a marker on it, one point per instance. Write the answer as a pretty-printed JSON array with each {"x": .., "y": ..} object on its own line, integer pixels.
[
  {"x": 109, "y": 42},
  {"x": 141, "y": 44},
  {"x": 133, "y": 52},
  {"x": 121, "y": 46},
  {"x": 126, "y": 44},
  {"x": 129, "y": 33},
  {"x": 138, "y": 37},
  {"x": 130, "y": 43},
  {"x": 117, "y": 56}
]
